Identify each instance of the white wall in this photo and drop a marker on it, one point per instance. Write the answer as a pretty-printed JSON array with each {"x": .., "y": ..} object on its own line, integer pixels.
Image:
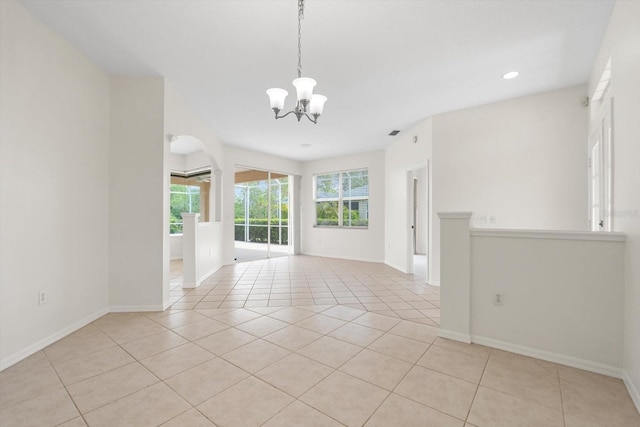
[
  {"x": 401, "y": 158},
  {"x": 180, "y": 120},
  {"x": 237, "y": 156},
  {"x": 209, "y": 259},
  {"x": 176, "y": 162},
  {"x": 196, "y": 160},
  {"x": 359, "y": 244},
  {"x": 519, "y": 163},
  {"x": 622, "y": 45},
  {"x": 138, "y": 195},
  {"x": 54, "y": 143},
  {"x": 175, "y": 246},
  {"x": 561, "y": 296}
]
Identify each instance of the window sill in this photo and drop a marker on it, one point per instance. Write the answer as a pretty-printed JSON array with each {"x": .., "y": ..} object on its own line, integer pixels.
[{"x": 341, "y": 227}]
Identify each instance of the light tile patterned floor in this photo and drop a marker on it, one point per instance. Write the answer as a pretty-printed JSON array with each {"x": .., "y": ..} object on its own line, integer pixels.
[
  {"x": 315, "y": 365},
  {"x": 302, "y": 281}
]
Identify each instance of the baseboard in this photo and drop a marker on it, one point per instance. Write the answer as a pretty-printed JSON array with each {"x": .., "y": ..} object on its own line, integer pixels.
[
  {"x": 210, "y": 272},
  {"x": 633, "y": 391},
  {"x": 395, "y": 267},
  {"x": 574, "y": 362},
  {"x": 190, "y": 285},
  {"x": 433, "y": 283},
  {"x": 135, "y": 308},
  {"x": 343, "y": 257},
  {"x": 47, "y": 341},
  {"x": 456, "y": 336}
]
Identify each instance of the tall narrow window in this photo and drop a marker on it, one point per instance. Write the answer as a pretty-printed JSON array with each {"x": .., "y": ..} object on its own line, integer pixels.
[{"x": 342, "y": 199}]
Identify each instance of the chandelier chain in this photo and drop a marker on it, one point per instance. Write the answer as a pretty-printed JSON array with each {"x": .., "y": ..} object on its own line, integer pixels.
[{"x": 300, "y": 17}]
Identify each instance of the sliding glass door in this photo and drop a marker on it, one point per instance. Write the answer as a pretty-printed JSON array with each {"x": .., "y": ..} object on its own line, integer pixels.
[{"x": 261, "y": 214}]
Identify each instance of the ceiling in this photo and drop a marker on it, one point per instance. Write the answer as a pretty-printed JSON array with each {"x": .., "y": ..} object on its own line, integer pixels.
[{"x": 383, "y": 64}]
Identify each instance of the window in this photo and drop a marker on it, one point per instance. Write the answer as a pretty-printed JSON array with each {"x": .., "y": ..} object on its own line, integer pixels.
[
  {"x": 342, "y": 199},
  {"x": 189, "y": 194}
]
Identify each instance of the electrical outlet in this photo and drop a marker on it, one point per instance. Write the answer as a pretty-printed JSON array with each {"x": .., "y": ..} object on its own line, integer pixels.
[
  {"x": 498, "y": 298},
  {"x": 42, "y": 297}
]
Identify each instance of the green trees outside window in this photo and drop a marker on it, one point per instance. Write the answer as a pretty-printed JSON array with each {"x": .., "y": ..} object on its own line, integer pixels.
[
  {"x": 342, "y": 199},
  {"x": 251, "y": 208},
  {"x": 189, "y": 193},
  {"x": 184, "y": 198}
]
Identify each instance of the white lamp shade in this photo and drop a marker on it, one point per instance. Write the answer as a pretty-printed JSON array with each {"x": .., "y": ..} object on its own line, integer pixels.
[
  {"x": 304, "y": 87},
  {"x": 277, "y": 97},
  {"x": 317, "y": 104}
]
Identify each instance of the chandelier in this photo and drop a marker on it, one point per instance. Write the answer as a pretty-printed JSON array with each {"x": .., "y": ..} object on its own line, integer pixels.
[{"x": 308, "y": 105}]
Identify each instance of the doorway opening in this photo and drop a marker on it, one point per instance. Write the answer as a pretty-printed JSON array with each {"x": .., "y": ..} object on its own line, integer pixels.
[
  {"x": 418, "y": 203},
  {"x": 261, "y": 214},
  {"x": 600, "y": 155}
]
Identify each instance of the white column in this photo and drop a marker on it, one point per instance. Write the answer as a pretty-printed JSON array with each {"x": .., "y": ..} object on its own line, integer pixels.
[
  {"x": 190, "y": 273},
  {"x": 217, "y": 196},
  {"x": 455, "y": 276}
]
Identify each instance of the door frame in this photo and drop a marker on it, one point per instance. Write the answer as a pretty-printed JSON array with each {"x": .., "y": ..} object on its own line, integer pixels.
[
  {"x": 410, "y": 182},
  {"x": 601, "y": 127},
  {"x": 290, "y": 225}
]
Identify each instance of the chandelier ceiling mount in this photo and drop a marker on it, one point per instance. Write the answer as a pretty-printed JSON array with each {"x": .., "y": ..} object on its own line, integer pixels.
[{"x": 308, "y": 105}]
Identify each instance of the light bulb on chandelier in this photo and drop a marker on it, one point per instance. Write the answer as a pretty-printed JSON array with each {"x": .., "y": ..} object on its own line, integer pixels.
[{"x": 309, "y": 104}]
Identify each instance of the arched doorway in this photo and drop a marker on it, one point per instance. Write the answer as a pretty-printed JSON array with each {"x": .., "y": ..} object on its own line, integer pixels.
[{"x": 194, "y": 187}]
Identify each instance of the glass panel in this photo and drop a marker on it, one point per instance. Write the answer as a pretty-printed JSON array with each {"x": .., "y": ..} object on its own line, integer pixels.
[
  {"x": 239, "y": 204},
  {"x": 183, "y": 199},
  {"x": 200, "y": 185},
  {"x": 239, "y": 208},
  {"x": 355, "y": 184},
  {"x": 239, "y": 232},
  {"x": 355, "y": 213},
  {"x": 279, "y": 210},
  {"x": 188, "y": 195},
  {"x": 258, "y": 204},
  {"x": 175, "y": 228},
  {"x": 258, "y": 231},
  {"x": 328, "y": 186},
  {"x": 327, "y": 213}
]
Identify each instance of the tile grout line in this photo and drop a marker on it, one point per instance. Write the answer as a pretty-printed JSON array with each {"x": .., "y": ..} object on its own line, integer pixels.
[
  {"x": 65, "y": 389},
  {"x": 484, "y": 368},
  {"x": 564, "y": 415}
]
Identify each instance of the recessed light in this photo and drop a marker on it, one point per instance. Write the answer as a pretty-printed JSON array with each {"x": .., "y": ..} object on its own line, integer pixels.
[
  {"x": 510, "y": 75},
  {"x": 394, "y": 132},
  {"x": 305, "y": 145}
]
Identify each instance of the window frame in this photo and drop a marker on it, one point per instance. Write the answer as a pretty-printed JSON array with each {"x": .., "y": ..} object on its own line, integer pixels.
[{"x": 341, "y": 199}]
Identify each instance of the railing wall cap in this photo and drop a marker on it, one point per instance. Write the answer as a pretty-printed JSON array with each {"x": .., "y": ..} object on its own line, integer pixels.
[
  {"x": 189, "y": 215},
  {"x": 550, "y": 234},
  {"x": 454, "y": 215}
]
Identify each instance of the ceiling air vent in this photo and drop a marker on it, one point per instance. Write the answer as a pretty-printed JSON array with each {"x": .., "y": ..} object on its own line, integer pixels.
[{"x": 394, "y": 132}]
